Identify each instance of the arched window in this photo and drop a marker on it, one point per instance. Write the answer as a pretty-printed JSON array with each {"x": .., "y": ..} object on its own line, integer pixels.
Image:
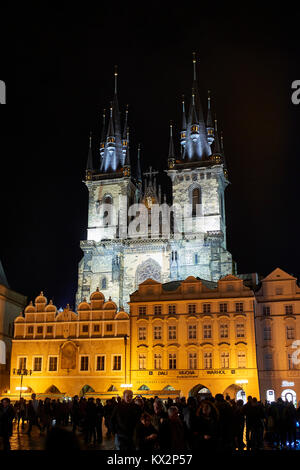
[
  {"x": 107, "y": 215},
  {"x": 196, "y": 199},
  {"x": 103, "y": 283}
]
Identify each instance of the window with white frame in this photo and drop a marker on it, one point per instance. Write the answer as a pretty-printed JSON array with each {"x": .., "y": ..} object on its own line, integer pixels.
[
  {"x": 53, "y": 362},
  {"x": 100, "y": 362},
  {"x": 84, "y": 363},
  {"x": 223, "y": 308},
  {"x": 192, "y": 308},
  {"x": 142, "y": 310},
  {"x": 241, "y": 359},
  {"x": 37, "y": 363},
  {"x": 157, "y": 332},
  {"x": 142, "y": 331},
  {"x": 172, "y": 361},
  {"x": 172, "y": 309},
  {"x": 223, "y": 330},
  {"x": 142, "y": 361},
  {"x": 192, "y": 331},
  {"x": 239, "y": 307},
  {"x": 288, "y": 309},
  {"x": 290, "y": 332},
  {"x": 207, "y": 360},
  {"x": 267, "y": 333},
  {"x": 266, "y": 310},
  {"x": 22, "y": 362},
  {"x": 192, "y": 362},
  {"x": 157, "y": 309},
  {"x": 225, "y": 360},
  {"x": 157, "y": 361},
  {"x": 116, "y": 362},
  {"x": 291, "y": 362},
  {"x": 172, "y": 332},
  {"x": 240, "y": 330},
  {"x": 206, "y": 308},
  {"x": 207, "y": 331},
  {"x": 268, "y": 360}
]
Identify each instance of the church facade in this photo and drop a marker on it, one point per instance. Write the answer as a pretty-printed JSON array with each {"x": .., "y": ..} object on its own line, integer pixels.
[{"x": 120, "y": 251}]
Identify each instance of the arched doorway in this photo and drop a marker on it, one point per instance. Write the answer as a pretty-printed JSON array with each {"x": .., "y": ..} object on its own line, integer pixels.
[
  {"x": 289, "y": 395},
  {"x": 86, "y": 389},
  {"x": 199, "y": 391},
  {"x": 52, "y": 389},
  {"x": 235, "y": 392}
]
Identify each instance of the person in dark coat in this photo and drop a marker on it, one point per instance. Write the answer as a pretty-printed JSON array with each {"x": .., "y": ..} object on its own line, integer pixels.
[
  {"x": 205, "y": 427},
  {"x": 146, "y": 435},
  {"x": 6, "y": 419},
  {"x": 124, "y": 420},
  {"x": 75, "y": 413},
  {"x": 33, "y": 411},
  {"x": 107, "y": 412},
  {"x": 173, "y": 434},
  {"x": 226, "y": 441},
  {"x": 159, "y": 413},
  {"x": 90, "y": 422},
  {"x": 99, "y": 418}
]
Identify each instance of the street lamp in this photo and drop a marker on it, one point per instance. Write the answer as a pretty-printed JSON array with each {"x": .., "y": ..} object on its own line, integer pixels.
[{"x": 22, "y": 372}]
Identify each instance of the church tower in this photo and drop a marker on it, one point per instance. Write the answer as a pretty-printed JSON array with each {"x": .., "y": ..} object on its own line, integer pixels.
[
  {"x": 111, "y": 191},
  {"x": 199, "y": 178},
  {"x": 116, "y": 259}
]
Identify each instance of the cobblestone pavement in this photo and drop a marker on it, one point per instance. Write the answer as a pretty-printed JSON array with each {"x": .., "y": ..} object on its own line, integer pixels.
[{"x": 20, "y": 440}]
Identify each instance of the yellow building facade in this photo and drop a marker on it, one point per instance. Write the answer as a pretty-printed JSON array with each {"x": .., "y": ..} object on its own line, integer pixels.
[
  {"x": 277, "y": 321},
  {"x": 188, "y": 337},
  {"x": 181, "y": 338},
  {"x": 65, "y": 353}
]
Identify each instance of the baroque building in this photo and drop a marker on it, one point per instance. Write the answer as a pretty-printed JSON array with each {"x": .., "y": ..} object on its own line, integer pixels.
[
  {"x": 181, "y": 338},
  {"x": 277, "y": 321},
  {"x": 194, "y": 336},
  {"x": 117, "y": 259}
]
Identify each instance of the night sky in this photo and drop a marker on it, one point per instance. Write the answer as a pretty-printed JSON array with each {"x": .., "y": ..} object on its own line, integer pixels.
[{"x": 58, "y": 66}]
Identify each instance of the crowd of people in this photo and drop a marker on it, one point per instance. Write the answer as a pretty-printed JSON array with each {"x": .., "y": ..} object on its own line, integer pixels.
[{"x": 151, "y": 425}]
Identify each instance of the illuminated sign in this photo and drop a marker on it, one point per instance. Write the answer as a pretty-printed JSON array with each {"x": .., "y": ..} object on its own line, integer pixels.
[{"x": 285, "y": 383}]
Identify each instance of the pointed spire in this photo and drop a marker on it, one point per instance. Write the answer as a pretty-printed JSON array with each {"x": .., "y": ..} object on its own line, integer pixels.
[
  {"x": 110, "y": 130},
  {"x": 183, "y": 127},
  {"x": 89, "y": 165},
  {"x": 139, "y": 171},
  {"x": 209, "y": 122},
  {"x": 171, "y": 144},
  {"x": 126, "y": 123},
  {"x": 217, "y": 148},
  {"x": 194, "y": 119},
  {"x": 103, "y": 126},
  {"x": 116, "y": 79}
]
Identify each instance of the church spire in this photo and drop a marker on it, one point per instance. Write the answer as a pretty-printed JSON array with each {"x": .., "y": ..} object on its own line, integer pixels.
[
  {"x": 89, "y": 165},
  {"x": 139, "y": 171},
  {"x": 102, "y": 138},
  {"x": 183, "y": 127},
  {"x": 209, "y": 123},
  {"x": 126, "y": 167},
  {"x": 171, "y": 156},
  {"x": 196, "y": 146},
  {"x": 217, "y": 148}
]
